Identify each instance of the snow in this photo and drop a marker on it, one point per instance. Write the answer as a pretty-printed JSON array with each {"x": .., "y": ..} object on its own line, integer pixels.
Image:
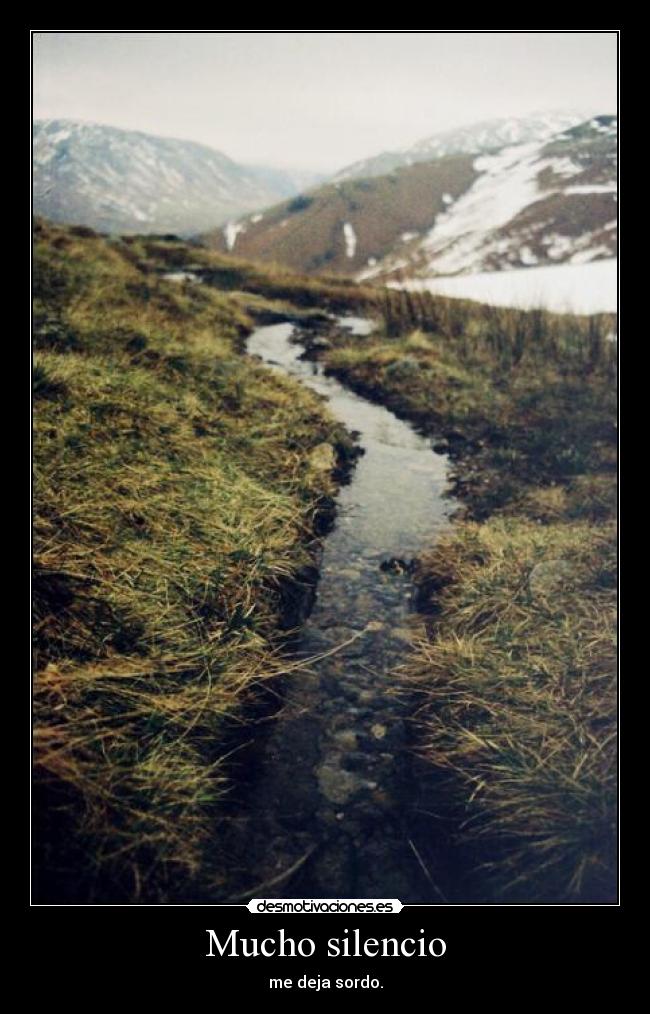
[
  {"x": 558, "y": 245},
  {"x": 407, "y": 236},
  {"x": 584, "y": 256},
  {"x": 350, "y": 239},
  {"x": 357, "y": 325},
  {"x": 506, "y": 186},
  {"x": 571, "y": 288},
  {"x": 593, "y": 188},
  {"x": 464, "y": 234},
  {"x": 526, "y": 256},
  {"x": 59, "y": 135},
  {"x": 563, "y": 166},
  {"x": 231, "y": 231},
  {"x": 257, "y": 218},
  {"x": 447, "y": 199}
]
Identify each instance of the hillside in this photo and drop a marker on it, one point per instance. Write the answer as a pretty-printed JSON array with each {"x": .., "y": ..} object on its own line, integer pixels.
[
  {"x": 127, "y": 181},
  {"x": 340, "y": 228},
  {"x": 551, "y": 200},
  {"x": 532, "y": 204}
]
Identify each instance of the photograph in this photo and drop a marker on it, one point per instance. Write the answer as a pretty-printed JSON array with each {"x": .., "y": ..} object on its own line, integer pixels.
[{"x": 325, "y": 432}]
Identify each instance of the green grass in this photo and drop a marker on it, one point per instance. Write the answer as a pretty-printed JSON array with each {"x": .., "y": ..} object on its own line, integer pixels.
[{"x": 174, "y": 504}]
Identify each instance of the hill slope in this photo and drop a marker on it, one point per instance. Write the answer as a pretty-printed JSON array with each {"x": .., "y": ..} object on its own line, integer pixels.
[
  {"x": 342, "y": 227},
  {"x": 538, "y": 203},
  {"x": 126, "y": 181},
  {"x": 549, "y": 200}
]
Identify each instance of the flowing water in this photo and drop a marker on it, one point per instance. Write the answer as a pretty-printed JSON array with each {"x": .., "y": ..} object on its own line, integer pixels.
[{"x": 334, "y": 795}]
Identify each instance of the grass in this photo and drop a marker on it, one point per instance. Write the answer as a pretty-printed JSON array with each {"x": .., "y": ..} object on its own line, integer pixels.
[
  {"x": 175, "y": 504},
  {"x": 177, "y": 507},
  {"x": 246, "y": 280},
  {"x": 518, "y": 706},
  {"x": 515, "y": 683},
  {"x": 530, "y": 412}
]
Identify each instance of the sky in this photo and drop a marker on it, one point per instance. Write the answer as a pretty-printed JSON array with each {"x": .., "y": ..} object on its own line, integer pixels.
[{"x": 316, "y": 100}]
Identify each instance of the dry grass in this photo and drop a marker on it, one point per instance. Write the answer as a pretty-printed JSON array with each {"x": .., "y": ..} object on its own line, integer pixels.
[
  {"x": 174, "y": 501},
  {"x": 517, "y": 693},
  {"x": 518, "y": 702},
  {"x": 519, "y": 429}
]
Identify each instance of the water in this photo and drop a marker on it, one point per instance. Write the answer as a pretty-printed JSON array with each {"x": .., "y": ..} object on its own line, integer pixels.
[
  {"x": 334, "y": 796},
  {"x": 356, "y": 325},
  {"x": 182, "y": 276}
]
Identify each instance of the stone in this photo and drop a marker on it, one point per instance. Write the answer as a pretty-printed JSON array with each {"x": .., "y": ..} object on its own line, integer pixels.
[
  {"x": 336, "y": 784},
  {"x": 346, "y": 739},
  {"x": 322, "y": 458}
]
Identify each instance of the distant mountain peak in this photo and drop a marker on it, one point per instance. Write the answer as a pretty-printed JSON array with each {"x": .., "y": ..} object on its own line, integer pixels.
[
  {"x": 118, "y": 180},
  {"x": 474, "y": 139}
]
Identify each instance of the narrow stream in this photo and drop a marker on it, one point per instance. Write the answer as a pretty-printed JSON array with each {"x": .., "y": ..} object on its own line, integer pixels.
[{"x": 334, "y": 795}]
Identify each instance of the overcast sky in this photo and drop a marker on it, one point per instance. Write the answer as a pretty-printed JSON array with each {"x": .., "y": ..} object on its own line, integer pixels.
[{"x": 316, "y": 100}]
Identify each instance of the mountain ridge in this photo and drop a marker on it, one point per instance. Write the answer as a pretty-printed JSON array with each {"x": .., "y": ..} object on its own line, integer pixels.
[
  {"x": 547, "y": 201},
  {"x": 118, "y": 180}
]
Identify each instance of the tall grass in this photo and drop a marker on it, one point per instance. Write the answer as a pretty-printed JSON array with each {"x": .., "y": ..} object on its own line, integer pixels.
[
  {"x": 504, "y": 334},
  {"x": 517, "y": 705}
]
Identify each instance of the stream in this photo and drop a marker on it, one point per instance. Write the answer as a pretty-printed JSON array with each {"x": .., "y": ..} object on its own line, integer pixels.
[{"x": 333, "y": 797}]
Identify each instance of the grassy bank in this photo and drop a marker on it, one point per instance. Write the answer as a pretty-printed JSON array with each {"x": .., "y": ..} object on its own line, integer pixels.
[
  {"x": 516, "y": 681},
  {"x": 176, "y": 504}
]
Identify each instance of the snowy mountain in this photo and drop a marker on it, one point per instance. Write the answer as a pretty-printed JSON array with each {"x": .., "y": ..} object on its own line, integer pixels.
[
  {"x": 545, "y": 201},
  {"x": 126, "y": 181},
  {"x": 480, "y": 138},
  {"x": 532, "y": 203}
]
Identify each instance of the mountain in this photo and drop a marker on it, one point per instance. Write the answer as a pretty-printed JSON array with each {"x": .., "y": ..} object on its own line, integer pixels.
[
  {"x": 532, "y": 204},
  {"x": 548, "y": 200},
  {"x": 342, "y": 227},
  {"x": 480, "y": 138},
  {"x": 126, "y": 181}
]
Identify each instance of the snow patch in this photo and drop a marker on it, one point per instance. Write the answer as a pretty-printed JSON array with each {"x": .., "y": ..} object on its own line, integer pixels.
[
  {"x": 526, "y": 256},
  {"x": 570, "y": 288},
  {"x": 593, "y": 188},
  {"x": 350, "y": 239},
  {"x": 231, "y": 231},
  {"x": 506, "y": 186}
]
